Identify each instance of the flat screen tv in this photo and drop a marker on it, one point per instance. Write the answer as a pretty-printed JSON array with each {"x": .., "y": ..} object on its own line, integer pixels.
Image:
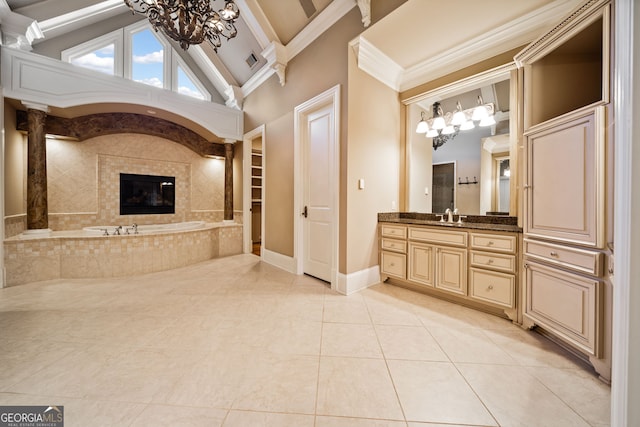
[{"x": 147, "y": 194}]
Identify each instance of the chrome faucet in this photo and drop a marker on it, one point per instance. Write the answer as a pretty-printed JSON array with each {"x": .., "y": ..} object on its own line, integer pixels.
[
  {"x": 135, "y": 228},
  {"x": 116, "y": 232},
  {"x": 449, "y": 214}
]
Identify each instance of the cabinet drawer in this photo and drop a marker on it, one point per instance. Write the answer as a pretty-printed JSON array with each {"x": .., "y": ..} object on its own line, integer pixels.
[
  {"x": 453, "y": 238},
  {"x": 493, "y": 287},
  {"x": 394, "y": 245},
  {"x": 393, "y": 264},
  {"x": 494, "y": 242},
  {"x": 565, "y": 304},
  {"x": 582, "y": 260},
  {"x": 397, "y": 231},
  {"x": 502, "y": 262}
]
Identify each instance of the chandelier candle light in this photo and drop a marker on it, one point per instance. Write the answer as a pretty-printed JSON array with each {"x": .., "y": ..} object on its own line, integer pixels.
[
  {"x": 189, "y": 21},
  {"x": 444, "y": 127}
]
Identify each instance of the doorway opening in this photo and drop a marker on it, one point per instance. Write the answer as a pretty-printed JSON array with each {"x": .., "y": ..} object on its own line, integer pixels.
[
  {"x": 444, "y": 188},
  {"x": 253, "y": 191}
]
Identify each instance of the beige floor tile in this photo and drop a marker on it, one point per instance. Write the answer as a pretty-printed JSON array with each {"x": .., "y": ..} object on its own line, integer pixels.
[
  {"x": 350, "y": 340},
  {"x": 322, "y": 421},
  {"x": 436, "y": 392},
  {"x": 515, "y": 397},
  {"x": 267, "y": 419},
  {"x": 409, "y": 343},
  {"x": 353, "y": 387},
  {"x": 354, "y": 311},
  {"x": 470, "y": 345},
  {"x": 279, "y": 383},
  {"x": 236, "y": 337},
  {"x": 579, "y": 389},
  {"x": 171, "y": 416},
  {"x": 388, "y": 312},
  {"x": 529, "y": 348}
]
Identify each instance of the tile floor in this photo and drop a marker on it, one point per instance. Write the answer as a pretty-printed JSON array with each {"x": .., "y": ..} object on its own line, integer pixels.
[{"x": 235, "y": 342}]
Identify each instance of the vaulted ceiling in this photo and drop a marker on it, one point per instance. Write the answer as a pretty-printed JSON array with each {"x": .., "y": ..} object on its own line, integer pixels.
[{"x": 420, "y": 41}]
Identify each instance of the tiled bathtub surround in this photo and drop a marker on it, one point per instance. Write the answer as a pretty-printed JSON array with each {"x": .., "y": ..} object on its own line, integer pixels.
[{"x": 74, "y": 255}]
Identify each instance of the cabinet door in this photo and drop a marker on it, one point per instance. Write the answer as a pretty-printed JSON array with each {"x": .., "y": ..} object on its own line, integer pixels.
[
  {"x": 564, "y": 185},
  {"x": 421, "y": 264},
  {"x": 565, "y": 304},
  {"x": 451, "y": 270}
]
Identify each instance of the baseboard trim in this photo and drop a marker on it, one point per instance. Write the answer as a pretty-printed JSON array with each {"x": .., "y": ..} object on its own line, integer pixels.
[
  {"x": 276, "y": 259},
  {"x": 357, "y": 281}
]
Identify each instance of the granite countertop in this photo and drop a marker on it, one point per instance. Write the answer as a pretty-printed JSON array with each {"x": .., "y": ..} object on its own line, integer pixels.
[{"x": 474, "y": 222}]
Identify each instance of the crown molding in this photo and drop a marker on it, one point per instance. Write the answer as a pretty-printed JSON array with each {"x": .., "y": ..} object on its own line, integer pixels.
[
  {"x": 257, "y": 22},
  {"x": 18, "y": 31},
  {"x": 374, "y": 62},
  {"x": 82, "y": 17},
  {"x": 503, "y": 38}
]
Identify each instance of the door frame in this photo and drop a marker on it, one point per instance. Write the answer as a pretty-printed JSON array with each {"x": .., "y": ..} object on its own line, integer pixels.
[
  {"x": 247, "y": 144},
  {"x": 330, "y": 97},
  {"x": 455, "y": 183}
]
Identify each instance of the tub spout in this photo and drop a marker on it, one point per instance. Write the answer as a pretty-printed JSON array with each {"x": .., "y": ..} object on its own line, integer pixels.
[
  {"x": 116, "y": 232},
  {"x": 135, "y": 228}
]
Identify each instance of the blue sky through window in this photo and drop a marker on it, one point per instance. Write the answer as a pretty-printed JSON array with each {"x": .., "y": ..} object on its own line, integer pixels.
[
  {"x": 148, "y": 57},
  {"x": 186, "y": 85},
  {"x": 98, "y": 60}
]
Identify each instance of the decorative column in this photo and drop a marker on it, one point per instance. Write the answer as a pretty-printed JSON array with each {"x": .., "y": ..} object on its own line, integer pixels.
[
  {"x": 228, "y": 180},
  {"x": 37, "y": 207}
]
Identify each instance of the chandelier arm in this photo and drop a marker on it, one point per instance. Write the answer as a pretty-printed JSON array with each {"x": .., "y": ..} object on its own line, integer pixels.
[{"x": 189, "y": 21}]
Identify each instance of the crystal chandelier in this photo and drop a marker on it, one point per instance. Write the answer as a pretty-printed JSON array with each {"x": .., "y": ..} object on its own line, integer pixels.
[
  {"x": 189, "y": 21},
  {"x": 444, "y": 127}
]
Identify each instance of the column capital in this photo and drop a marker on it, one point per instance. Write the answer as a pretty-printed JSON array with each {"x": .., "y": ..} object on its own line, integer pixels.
[
  {"x": 36, "y": 106},
  {"x": 229, "y": 141}
]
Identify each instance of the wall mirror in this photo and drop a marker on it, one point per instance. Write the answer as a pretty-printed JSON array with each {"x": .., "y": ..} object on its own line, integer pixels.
[{"x": 471, "y": 168}]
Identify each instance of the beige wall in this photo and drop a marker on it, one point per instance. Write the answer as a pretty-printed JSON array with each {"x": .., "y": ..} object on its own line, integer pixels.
[
  {"x": 15, "y": 156},
  {"x": 373, "y": 154},
  {"x": 319, "y": 67}
]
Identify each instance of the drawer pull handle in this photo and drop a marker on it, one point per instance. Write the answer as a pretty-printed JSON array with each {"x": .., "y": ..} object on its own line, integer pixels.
[
  {"x": 490, "y": 287},
  {"x": 490, "y": 242},
  {"x": 392, "y": 265},
  {"x": 553, "y": 253},
  {"x": 490, "y": 261}
]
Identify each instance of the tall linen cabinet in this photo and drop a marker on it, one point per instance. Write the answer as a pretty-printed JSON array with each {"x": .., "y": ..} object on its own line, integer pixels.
[{"x": 567, "y": 183}]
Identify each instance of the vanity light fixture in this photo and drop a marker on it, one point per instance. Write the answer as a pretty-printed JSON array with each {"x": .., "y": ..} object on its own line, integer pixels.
[{"x": 443, "y": 127}]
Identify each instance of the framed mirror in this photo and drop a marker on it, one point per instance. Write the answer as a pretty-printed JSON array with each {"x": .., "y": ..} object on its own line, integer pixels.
[{"x": 478, "y": 153}]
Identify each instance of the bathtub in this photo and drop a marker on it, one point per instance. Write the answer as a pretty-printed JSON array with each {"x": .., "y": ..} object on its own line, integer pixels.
[
  {"x": 98, "y": 230},
  {"x": 87, "y": 253}
]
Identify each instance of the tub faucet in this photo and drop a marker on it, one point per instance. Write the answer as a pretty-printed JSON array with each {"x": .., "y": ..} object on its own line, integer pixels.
[
  {"x": 135, "y": 228},
  {"x": 106, "y": 232},
  {"x": 116, "y": 232}
]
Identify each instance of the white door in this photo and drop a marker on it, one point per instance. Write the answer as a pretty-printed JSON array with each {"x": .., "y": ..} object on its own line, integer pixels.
[{"x": 318, "y": 178}]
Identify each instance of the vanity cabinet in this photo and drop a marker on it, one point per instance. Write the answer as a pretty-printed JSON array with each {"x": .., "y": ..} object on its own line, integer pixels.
[
  {"x": 476, "y": 268},
  {"x": 566, "y": 105},
  {"x": 493, "y": 268}
]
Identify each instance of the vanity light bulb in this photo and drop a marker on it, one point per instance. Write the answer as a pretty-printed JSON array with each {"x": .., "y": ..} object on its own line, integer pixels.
[
  {"x": 438, "y": 123},
  {"x": 432, "y": 133},
  {"x": 467, "y": 125},
  {"x": 488, "y": 121},
  {"x": 423, "y": 127},
  {"x": 459, "y": 118},
  {"x": 448, "y": 130}
]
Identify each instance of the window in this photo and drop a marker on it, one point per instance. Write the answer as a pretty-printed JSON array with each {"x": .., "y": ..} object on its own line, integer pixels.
[
  {"x": 103, "y": 54},
  {"x": 140, "y": 54}
]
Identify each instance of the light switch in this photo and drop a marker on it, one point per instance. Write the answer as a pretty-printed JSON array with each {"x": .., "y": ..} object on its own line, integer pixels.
[
  {"x": 393, "y": 205},
  {"x": 361, "y": 184}
]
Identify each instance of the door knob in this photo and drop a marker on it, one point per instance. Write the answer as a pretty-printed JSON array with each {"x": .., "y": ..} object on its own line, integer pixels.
[{"x": 305, "y": 212}]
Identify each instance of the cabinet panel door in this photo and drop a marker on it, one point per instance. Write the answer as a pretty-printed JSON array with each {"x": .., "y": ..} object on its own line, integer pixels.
[
  {"x": 564, "y": 179},
  {"x": 393, "y": 264},
  {"x": 565, "y": 304},
  {"x": 421, "y": 264},
  {"x": 451, "y": 270}
]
